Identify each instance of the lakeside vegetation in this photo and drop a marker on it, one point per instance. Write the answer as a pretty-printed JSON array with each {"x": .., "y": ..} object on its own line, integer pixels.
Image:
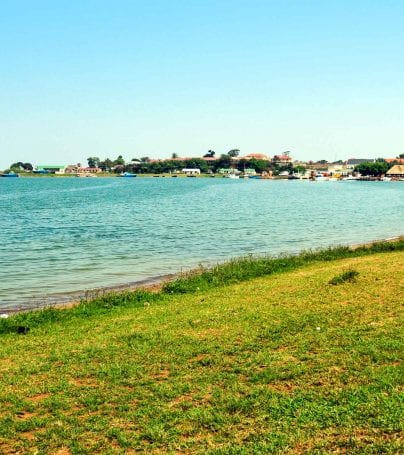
[
  {"x": 212, "y": 164},
  {"x": 257, "y": 355}
]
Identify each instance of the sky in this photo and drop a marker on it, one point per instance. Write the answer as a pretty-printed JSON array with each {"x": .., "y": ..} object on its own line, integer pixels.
[{"x": 80, "y": 78}]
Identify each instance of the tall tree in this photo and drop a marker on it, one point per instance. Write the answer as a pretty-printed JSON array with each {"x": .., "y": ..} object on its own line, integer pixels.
[
  {"x": 119, "y": 161},
  {"x": 233, "y": 153},
  {"x": 106, "y": 164},
  {"x": 210, "y": 154},
  {"x": 93, "y": 161}
]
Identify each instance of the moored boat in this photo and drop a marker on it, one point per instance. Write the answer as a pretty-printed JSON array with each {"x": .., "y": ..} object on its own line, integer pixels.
[
  {"x": 10, "y": 174},
  {"x": 127, "y": 174}
]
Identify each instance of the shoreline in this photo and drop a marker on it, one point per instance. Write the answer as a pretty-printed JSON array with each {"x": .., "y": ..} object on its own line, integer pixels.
[{"x": 152, "y": 284}]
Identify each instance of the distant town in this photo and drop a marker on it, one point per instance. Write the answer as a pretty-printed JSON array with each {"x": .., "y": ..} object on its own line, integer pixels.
[{"x": 231, "y": 164}]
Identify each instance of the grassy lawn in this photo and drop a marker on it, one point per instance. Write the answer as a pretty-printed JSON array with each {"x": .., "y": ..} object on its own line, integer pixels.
[{"x": 286, "y": 363}]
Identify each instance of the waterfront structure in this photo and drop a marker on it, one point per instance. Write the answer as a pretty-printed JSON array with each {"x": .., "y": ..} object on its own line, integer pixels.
[
  {"x": 351, "y": 163},
  {"x": 191, "y": 171},
  {"x": 396, "y": 171},
  {"x": 49, "y": 169}
]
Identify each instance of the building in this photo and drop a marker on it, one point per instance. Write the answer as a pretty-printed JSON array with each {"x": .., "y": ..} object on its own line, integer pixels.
[
  {"x": 79, "y": 169},
  {"x": 49, "y": 169},
  {"x": 394, "y": 160},
  {"x": 397, "y": 171},
  {"x": 285, "y": 158},
  {"x": 191, "y": 171},
  {"x": 337, "y": 169},
  {"x": 256, "y": 156},
  {"x": 352, "y": 162}
]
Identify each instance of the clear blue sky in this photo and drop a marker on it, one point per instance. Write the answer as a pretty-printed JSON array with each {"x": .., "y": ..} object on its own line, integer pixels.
[{"x": 324, "y": 79}]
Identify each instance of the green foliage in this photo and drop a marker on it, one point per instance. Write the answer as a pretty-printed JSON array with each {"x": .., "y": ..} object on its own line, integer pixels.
[
  {"x": 375, "y": 169},
  {"x": 249, "y": 267},
  {"x": 93, "y": 161},
  {"x": 93, "y": 304},
  {"x": 348, "y": 275},
  {"x": 106, "y": 164},
  {"x": 260, "y": 166},
  {"x": 233, "y": 271},
  {"x": 119, "y": 161},
  {"x": 233, "y": 153},
  {"x": 224, "y": 161},
  {"x": 20, "y": 166},
  {"x": 280, "y": 365}
]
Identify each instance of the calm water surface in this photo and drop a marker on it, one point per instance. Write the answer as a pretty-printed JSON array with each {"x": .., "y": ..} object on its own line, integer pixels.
[{"x": 61, "y": 236}]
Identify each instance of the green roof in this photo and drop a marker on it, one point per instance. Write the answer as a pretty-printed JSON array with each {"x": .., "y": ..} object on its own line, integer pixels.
[{"x": 50, "y": 167}]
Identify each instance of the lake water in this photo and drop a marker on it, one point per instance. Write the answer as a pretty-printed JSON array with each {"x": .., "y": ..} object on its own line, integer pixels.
[{"x": 59, "y": 236}]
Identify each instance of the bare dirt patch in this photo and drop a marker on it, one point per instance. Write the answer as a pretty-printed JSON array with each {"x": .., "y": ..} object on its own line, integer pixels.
[
  {"x": 83, "y": 382},
  {"x": 282, "y": 387},
  {"x": 38, "y": 398},
  {"x": 24, "y": 415}
]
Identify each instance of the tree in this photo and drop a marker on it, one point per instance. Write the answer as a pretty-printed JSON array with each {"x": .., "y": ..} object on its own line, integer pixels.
[
  {"x": 119, "y": 161},
  {"x": 374, "y": 169},
  {"x": 145, "y": 159},
  {"x": 401, "y": 155},
  {"x": 233, "y": 153},
  {"x": 17, "y": 166},
  {"x": 259, "y": 165},
  {"x": 174, "y": 156},
  {"x": 106, "y": 165},
  {"x": 93, "y": 161},
  {"x": 210, "y": 154},
  {"x": 223, "y": 162},
  {"x": 299, "y": 169}
]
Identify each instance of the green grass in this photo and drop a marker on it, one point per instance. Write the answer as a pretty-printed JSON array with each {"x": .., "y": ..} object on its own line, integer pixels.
[
  {"x": 348, "y": 275},
  {"x": 282, "y": 363}
]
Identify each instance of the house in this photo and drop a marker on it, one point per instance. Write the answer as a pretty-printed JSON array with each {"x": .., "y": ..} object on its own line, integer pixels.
[
  {"x": 49, "y": 169},
  {"x": 285, "y": 158},
  {"x": 352, "y": 162},
  {"x": 394, "y": 160},
  {"x": 191, "y": 171},
  {"x": 396, "y": 171},
  {"x": 256, "y": 156},
  {"x": 79, "y": 169},
  {"x": 337, "y": 168},
  {"x": 226, "y": 171}
]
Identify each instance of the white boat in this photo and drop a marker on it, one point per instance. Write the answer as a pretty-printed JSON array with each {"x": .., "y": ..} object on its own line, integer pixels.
[
  {"x": 232, "y": 176},
  {"x": 350, "y": 177},
  {"x": 321, "y": 178}
]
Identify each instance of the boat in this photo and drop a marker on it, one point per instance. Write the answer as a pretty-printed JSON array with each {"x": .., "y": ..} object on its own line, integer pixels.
[
  {"x": 319, "y": 177},
  {"x": 127, "y": 174},
  {"x": 350, "y": 177},
  {"x": 232, "y": 175},
  {"x": 10, "y": 174}
]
